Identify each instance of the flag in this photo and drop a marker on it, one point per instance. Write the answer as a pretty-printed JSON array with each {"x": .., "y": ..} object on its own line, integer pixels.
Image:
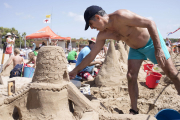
[
  {"x": 48, "y": 16},
  {"x": 46, "y": 20}
]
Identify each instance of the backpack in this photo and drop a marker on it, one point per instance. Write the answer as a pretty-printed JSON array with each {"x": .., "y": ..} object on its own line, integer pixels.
[{"x": 16, "y": 71}]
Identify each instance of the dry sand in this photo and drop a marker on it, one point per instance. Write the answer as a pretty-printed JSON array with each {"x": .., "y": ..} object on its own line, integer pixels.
[{"x": 106, "y": 102}]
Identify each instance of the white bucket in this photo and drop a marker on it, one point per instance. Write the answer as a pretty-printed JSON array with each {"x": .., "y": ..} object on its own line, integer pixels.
[
  {"x": 85, "y": 89},
  {"x": 69, "y": 68}
]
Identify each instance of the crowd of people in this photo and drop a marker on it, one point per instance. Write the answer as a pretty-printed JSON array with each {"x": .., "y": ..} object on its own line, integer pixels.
[{"x": 18, "y": 56}]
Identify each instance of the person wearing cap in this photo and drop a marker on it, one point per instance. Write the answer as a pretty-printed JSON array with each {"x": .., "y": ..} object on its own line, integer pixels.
[
  {"x": 10, "y": 43},
  {"x": 72, "y": 56},
  {"x": 33, "y": 46},
  {"x": 138, "y": 32},
  {"x": 87, "y": 73}
]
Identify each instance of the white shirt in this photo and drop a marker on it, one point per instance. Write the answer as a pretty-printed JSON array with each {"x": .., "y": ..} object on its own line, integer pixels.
[{"x": 10, "y": 42}]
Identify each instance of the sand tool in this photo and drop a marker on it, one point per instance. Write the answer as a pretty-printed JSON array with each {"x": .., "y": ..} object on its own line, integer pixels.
[{"x": 2, "y": 61}]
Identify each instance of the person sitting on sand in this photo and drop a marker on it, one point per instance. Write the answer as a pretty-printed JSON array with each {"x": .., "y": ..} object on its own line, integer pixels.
[
  {"x": 17, "y": 59},
  {"x": 143, "y": 37},
  {"x": 17, "y": 63},
  {"x": 32, "y": 58},
  {"x": 87, "y": 73},
  {"x": 72, "y": 56}
]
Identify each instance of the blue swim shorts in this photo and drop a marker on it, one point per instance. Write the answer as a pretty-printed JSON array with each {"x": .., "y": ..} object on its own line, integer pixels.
[{"x": 148, "y": 51}]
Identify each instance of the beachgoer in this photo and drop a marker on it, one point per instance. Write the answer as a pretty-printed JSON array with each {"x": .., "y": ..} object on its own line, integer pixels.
[
  {"x": 87, "y": 73},
  {"x": 138, "y": 32},
  {"x": 178, "y": 46},
  {"x": 72, "y": 56},
  {"x": 169, "y": 49},
  {"x": 22, "y": 54},
  {"x": 32, "y": 58},
  {"x": 169, "y": 42},
  {"x": 10, "y": 43},
  {"x": 17, "y": 59},
  {"x": 33, "y": 45},
  {"x": 36, "y": 51},
  {"x": 43, "y": 44}
]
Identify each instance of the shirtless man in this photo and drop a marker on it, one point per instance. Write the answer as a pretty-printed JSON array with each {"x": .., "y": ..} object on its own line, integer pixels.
[
  {"x": 17, "y": 59},
  {"x": 143, "y": 37}
]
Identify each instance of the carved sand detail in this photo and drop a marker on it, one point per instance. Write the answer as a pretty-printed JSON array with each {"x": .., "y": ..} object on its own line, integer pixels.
[{"x": 48, "y": 96}]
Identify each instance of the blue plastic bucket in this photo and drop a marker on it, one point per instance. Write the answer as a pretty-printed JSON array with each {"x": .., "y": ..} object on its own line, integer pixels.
[
  {"x": 28, "y": 72},
  {"x": 168, "y": 114}
]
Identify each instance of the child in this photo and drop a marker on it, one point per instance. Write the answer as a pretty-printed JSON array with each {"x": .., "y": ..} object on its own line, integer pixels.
[
  {"x": 17, "y": 64},
  {"x": 36, "y": 51},
  {"x": 32, "y": 58}
]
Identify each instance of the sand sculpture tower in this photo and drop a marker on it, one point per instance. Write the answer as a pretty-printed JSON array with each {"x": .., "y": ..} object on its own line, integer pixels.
[
  {"x": 111, "y": 73},
  {"x": 51, "y": 66},
  {"x": 123, "y": 56}
]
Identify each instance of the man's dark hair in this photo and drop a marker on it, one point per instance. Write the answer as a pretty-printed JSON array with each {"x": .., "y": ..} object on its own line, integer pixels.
[
  {"x": 90, "y": 42},
  {"x": 101, "y": 13}
]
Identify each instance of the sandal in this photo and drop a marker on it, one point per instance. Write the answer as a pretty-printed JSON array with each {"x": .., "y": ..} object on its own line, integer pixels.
[{"x": 133, "y": 111}]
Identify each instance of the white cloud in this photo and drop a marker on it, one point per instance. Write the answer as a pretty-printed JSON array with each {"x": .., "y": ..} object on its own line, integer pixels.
[
  {"x": 76, "y": 16},
  {"x": 151, "y": 18},
  {"x": 20, "y": 13},
  {"x": 28, "y": 16},
  {"x": 7, "y": 5}
]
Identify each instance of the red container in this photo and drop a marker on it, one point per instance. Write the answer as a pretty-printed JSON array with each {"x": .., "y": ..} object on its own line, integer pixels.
[
  {"x": 148, "y": 67},
  {"x": 152, "y": 79}
]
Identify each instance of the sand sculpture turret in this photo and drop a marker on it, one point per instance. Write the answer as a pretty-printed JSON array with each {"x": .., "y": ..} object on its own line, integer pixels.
[
  {"x": 110, "y": 73},
  {"x": 114, "y": 69},
  {"x": 51, "y": 94}
]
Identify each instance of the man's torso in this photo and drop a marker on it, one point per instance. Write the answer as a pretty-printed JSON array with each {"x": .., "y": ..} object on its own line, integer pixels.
[{"x": 135, "y": 37}]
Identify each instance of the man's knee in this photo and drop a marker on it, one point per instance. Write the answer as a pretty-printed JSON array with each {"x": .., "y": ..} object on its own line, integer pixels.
[{"x": 132, "y": 77}]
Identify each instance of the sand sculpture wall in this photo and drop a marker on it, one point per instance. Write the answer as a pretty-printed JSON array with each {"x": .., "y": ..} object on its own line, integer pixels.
[{"x": 50, "y": 95}]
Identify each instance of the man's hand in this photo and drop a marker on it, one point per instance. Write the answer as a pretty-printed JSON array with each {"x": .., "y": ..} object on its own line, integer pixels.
[
  {"x": 160, "y": 57},
  {"x": 72, "y": 74}
]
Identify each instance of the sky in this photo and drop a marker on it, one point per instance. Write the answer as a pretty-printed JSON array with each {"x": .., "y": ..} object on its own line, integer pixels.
[{"x": 68, "y": 15}]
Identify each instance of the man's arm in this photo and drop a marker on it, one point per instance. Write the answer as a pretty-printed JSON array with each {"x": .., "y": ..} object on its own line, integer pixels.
[
  {"x": 90, "y": 57},
  {"x": 95, "y": 62},
  {"x": 131, "y": 19}
]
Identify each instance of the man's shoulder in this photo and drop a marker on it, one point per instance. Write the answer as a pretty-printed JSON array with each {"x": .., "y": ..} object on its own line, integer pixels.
[{"x": 120, "y": 12}]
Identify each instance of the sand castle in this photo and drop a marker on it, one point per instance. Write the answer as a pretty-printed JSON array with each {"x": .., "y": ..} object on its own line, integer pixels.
[
  {"x": 114, "y": 69},
  {"x": 50, "y": 96},
  {"x": 116, "y": 97},
  {"x": 111, "y": 73}
]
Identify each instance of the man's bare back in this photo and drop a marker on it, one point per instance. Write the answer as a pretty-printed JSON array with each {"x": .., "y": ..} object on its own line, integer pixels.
[{"x": 135, "y": 37}]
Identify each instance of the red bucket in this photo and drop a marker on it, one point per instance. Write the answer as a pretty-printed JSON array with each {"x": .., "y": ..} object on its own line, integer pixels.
[
  {"x": 148, "y": 67},
  {"x": 152, "y": 79}
]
